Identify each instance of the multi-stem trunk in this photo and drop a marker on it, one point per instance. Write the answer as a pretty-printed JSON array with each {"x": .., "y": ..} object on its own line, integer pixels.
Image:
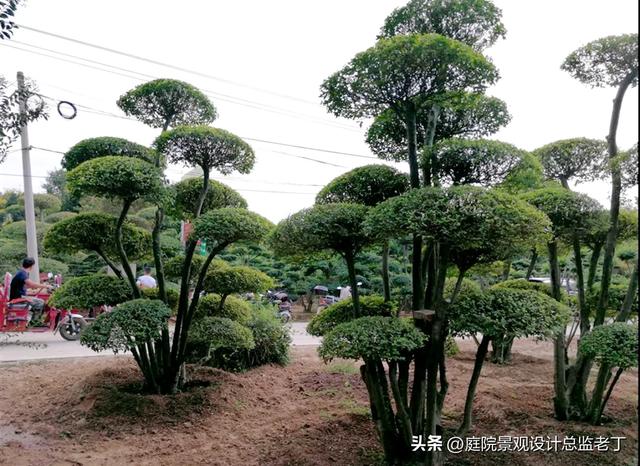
[
  {"x": 157, "y": 255},
  {"x": 349, "y": 258},
  {"x": 532, "y": 263},
  {"x": 124, "y": 260},
  {"x": 616, "y": 189},
  {"x": 593, "y": 265},
  {"x": 481, "y": 353},
  {"x": 560, "y": 401}
]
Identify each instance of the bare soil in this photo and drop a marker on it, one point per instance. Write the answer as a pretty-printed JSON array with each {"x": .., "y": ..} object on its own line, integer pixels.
[{"x": 90, "y": 412}]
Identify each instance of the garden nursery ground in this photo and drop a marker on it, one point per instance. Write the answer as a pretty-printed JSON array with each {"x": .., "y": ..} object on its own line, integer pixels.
[{"x": 89, "y": 412}]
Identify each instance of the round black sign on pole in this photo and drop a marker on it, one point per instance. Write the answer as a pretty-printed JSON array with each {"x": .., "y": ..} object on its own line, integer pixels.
[{"x": 67, "y": 115}]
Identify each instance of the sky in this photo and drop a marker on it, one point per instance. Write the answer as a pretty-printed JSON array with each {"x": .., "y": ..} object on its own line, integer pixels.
[{"x": 262, "y": 64}]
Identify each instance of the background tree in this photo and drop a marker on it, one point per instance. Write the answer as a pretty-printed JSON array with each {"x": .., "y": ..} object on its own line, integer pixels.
[
  {"x": 56, "y": 184},
  {"x": 44, "y": 204},
  {"x": 502, "y": 313},
  {"x": 224, "y": 280},
  {"x": 368, "y": 185},
  {"x": 92, "y": 148},
  {"x": 218, "y": 195},
  {"x": 334, "y": 227}
]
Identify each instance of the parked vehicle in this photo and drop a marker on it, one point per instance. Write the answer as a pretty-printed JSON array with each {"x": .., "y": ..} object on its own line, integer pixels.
[
  {"x": 17, "y": 316},
  {"x": 283, "y": 303}
]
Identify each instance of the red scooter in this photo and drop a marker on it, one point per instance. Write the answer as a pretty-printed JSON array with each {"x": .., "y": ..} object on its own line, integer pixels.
[{"x": 17, "y": 316}]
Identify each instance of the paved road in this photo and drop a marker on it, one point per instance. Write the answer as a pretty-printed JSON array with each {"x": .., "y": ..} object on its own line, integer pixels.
[{"x": 49, "y": 346}]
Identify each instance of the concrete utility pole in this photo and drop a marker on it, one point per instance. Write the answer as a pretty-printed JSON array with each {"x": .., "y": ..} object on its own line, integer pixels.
[{"x": 29, "y": 211}]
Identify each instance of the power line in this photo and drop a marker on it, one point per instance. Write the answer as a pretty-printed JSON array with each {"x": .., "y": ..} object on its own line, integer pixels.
[
  {"x": 217, "y": 95},
  {"x": 166, "y": 65}
]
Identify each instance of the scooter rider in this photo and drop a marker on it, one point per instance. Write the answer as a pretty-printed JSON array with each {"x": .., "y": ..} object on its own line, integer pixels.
[{"x": 20, "y": 283}]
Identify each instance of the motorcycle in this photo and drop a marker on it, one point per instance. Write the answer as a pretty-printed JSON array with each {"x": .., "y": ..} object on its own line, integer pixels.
[{"x": 282, "y": 301}]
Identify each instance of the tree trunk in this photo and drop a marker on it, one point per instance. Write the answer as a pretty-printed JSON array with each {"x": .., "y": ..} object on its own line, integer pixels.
[
  {"x": 109, "y": 263},
  {"x": 121, "y": 252},
  {"x": 532, "y": 264},
  {"x": 560, "y": 401},
  {"x": 595, "y": 405},
  {"x": 506, "y": 271},
  {"x": 614, "y": 211},
  {"x": 481, "y": 353},
  {"x": 353, "y": 281},
  {"x": 616, "y": 377},
  {"x": 385, "y": 272},
  {"x": 593, "y": 265},
  {"x": 157, "y": 255},
  {"x": 629, "y": 298},
  {"x": 501, "y": 347}
]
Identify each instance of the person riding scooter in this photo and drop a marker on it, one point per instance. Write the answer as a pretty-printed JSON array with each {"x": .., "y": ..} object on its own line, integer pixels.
[{"x": 21, "y": 283}]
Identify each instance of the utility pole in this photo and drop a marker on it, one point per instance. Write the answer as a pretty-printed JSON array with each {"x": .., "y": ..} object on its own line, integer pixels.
[{"x": 29, "y": 211}]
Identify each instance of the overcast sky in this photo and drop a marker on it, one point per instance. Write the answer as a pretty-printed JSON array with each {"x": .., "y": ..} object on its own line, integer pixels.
[{"x": 270, "y": 58}]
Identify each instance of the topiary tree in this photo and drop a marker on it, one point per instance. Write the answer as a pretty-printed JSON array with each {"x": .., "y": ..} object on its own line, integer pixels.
[
  {"x": 124, "y": 178},
  {"x": 173, "y": 268},
  {"x": 225, "y": 279},
  {"x": 578, "y": 159},
  {"x": 368, "y": 185},
  {"x": 167, "y": 103},
  {"x": 461, "y": 114},
  {"x": 45, "y": 203},
  {"x": 472, "y": 161},
  {"x": 375, "y": 340},
  {"x": 502, "y": 314},
  {"x": 79, "y": 233},
  {"x": 90, "y": 291},
  {"x": 405, "y": 73},
  {"x": 326, "y": 227},
  {"x": 218, "y": 195},
  {"x": 232, "y": 308},
  {"x": 570, "y": 214},
  {"x": 131, "y": 326},
  {"x": 608, "y": 62},
  {"x": 58, "y": 216},
  {"x": 611, "y": 346},
  {"x": 343, "y": 311},
  {"x": 476, "y": 23},
  {"x": 172, "y": 297},
  {"x": 92, "y": 148}
]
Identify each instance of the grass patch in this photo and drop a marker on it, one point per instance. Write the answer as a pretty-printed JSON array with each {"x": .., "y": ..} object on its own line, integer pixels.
[{"x": 342, "y": 367}]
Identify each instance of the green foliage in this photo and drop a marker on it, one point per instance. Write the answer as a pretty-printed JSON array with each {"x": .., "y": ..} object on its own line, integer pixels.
[
  {"x": 48, "y": 265},
  {"x": 605, "y": 62},
  {"x": 116, "y": 177},
  {"x": 17, "y": 231},
  {"x": 472, "y": 161},
  {"x": 173, "y": 268},
  {"x": 479, "y": 225},
  {"x": 218, "y": 195},
  {"x": 615, "y": 345},
  {"x": 617, "y": 295},
  {"x": 272, "y": 340},
  {"x": 58, "y": 216},
  {"x": 172, "y": 297},
  {"x": 221, "y": 227},
  {"x": 90, "y": 291},
  {"x": 372, "y": 337},
  {"x": 92, "y": 148},
  {"x": 7, "y": 11},
  {"x": 579, "y": 159},
  {"x": 165, "y": 103},
  {"x": 368, "y": 185},
  {"x": 46, "y": 203},
  {"x": 11, "y": 253},
  {"x": 234, "y": 308},
  {"x": 476, "y": 23},
  {"x": 225, "y": 279},
  {"x": 462, "y": 114},
  {"x": 128, "y": 325},
  {"x": 15, "y": 212},
  {"x": 528, "y": 175},
  {"x": 468, "y": 286},
  {"x": 521, "y": 284},
  {"x": 206, "y": 147},
  {"x": 217, "y": 340},
  {"x": 628, "y": 163},
  {"x": 507, "y": 313},
  {"x": 568, "y": 211},
  {"x": 451, "y": 348},
  {"x": 401, "y": 68},
  {"x": 343, "y": 311},
  {"x": 337, "y": 227},
  {"x": 95, "y": 232}
]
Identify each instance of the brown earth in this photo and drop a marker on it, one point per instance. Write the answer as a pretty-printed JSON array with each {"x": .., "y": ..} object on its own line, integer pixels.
[{"x": 89, "y": 412}]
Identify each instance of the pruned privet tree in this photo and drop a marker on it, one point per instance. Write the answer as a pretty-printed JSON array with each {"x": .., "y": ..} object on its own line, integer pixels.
[
  {"x": 165, "y": 104},
  {"x": 628, "y": 161},
  {"x": 90, "y": 291},
  {"x": 376, "y": 340},
  {"x": 218, "y": 195},
  {"x": 608, "y": 62},
  {"x": 613, "y": 346},
  {"x": 472, "y": 161},
  {"x": 92, "y": 148},
  {"x": 123, "y": 178},
  {"x": 45, "y": 204},
  {"x": 95, "y": 232},
  {"x": 577, "y": 160},
  {"x": 474, "y": 22},
  {"x": 470, "y": 225},
  {"x": 571, "y": 215},
  {"x": 403, "y": 73},
  {"x": 225, "y": 279},
  {"x": 326, "y": 227},
  {"x": 462, "y": 114},
  {"x": 505, "y": 314},
  {"x": 369, "y": 185}
]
